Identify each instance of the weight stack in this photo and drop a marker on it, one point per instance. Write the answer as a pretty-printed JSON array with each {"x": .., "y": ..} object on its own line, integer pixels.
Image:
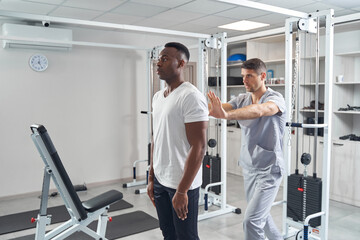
[
  {"x": 206, "y": 170},
  {"x": 295, "y": 198},
  {"x": 211, "y": 172}
]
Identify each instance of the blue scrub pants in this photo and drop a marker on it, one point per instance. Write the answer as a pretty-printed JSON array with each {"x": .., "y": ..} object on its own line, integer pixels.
[
  {"x": 260, "y": 189},
  {"x": 171, "y": 226}
]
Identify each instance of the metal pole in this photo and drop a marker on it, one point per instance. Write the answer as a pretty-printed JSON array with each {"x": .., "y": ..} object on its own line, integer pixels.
[
  {"x": 329, "y": 55},
  {"x": 223, "y": 121},
  {"x": 317, "y": 77},
  {"x": 149, "y": 86},
  {"x": 288, "y": 101},
  {"x": 201, "y": 65},
  {"x": 298, "y": 59}
]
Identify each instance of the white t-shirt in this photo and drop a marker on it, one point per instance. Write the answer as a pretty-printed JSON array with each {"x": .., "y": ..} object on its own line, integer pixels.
[{"x": 185, "y": 104}]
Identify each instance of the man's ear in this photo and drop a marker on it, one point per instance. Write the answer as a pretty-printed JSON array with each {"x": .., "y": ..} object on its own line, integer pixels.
[
  {"x": 263, "y": 75},
  {"x": 182, "y": 63}
]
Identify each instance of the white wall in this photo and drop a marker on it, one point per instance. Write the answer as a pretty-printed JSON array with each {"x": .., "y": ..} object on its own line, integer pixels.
[{"x": 89, "y": 99}]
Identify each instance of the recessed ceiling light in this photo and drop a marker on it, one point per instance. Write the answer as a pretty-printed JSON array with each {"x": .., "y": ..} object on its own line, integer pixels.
[{"x": 244, "y": 25}]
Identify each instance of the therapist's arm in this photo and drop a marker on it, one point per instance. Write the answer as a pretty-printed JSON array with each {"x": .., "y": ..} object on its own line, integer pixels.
[
  {"x": 253, "y": 111},
  {"x": 248, "y": 112}
]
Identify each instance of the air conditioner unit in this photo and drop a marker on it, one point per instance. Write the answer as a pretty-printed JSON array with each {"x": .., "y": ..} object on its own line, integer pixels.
[{"x": 25, "y": 36}]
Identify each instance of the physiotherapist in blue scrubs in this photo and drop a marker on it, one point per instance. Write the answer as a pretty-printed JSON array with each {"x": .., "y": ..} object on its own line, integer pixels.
[{"x": 261, "y": 115}]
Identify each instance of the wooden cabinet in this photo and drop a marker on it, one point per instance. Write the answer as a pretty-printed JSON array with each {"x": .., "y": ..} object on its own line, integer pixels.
[{"x": 345, "y": 166}]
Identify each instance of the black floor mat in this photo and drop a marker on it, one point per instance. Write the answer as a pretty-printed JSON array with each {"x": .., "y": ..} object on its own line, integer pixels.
[
  {"x": 121, "y": 226},
  {"x": 21, "y": 221}
]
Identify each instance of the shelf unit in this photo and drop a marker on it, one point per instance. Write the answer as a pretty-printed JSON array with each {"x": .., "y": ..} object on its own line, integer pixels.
[
  {"x": 234, "y": 65},
  {"x": 347, "y": 64},
  {"x": 266, "y": 49},
  {"x": 347, "y": 112}
]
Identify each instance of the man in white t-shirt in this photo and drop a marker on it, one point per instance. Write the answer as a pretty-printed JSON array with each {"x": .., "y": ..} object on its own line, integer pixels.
[{"x": 180, "y": 119}]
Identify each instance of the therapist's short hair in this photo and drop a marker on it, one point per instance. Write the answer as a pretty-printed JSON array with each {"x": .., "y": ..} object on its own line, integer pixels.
[{"x": 255, "y": 64}]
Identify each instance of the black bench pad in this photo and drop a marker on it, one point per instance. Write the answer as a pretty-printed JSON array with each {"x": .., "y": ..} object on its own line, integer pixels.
[{"x": 102, "y": 200}]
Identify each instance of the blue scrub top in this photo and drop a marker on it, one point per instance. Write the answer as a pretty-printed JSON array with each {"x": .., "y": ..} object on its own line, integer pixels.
[{"x": 262, "y": 138}]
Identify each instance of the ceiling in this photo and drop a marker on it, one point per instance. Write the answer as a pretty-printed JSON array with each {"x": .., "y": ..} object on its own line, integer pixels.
[{"x": 199, "y": 16}]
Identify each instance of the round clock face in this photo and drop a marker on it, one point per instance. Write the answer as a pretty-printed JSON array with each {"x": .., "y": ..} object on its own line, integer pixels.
[{"x": 38, "y": 62}]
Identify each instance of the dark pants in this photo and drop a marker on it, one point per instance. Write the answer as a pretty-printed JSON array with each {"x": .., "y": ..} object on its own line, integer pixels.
[{"x": 171, "y": 226}]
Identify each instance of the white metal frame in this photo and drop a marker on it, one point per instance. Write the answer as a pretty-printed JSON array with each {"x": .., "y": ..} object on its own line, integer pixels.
[
  {"x": 135, "y": 182},
  {"x": 216, "y": 41},
  {"x": 289, "y": 224},
  {"x": 152, "y": 55}
]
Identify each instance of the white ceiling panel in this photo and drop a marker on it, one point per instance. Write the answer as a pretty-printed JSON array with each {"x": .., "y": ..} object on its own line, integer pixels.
[
  {"x": 190, "y": 27},
  {"x": 141, "y": 10},
  {"x": 27, "y": 7},
  {"x": 344, "y": 12},
  {"x": 178, "y": 15},
  {"x": 156, "y": 23},
  {"x": 75, "y": 13},
  {"x": 103, "y": 5},
  {"x": 118, "y": 18},
  {"x": 218, "y": 30},
  {"x": 163, "y": 3},
  {"x": 317, "y": 6},
  {"x": 211, "y": 21},
  {"x": 206, "y": 6},
  {"x": 272, "y": 18},
  {"x": 241, "y": 13},
  {"x": 290, "y": 4},
  {"x": 343, "y": 3}
]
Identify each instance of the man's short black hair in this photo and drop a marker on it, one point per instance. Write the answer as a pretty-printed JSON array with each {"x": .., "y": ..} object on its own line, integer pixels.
[
  {"x": 180, "y": 47},
  {"x": 255, "y": 64}
]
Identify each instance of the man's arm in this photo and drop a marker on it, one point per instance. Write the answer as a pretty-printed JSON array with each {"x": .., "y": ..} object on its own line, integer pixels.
[
  {"x": 253, "y": 111},
  {"x": 221, "y": 110},
  {"x": 150, "y": 186},
  {"x": 196, "y": 135}
]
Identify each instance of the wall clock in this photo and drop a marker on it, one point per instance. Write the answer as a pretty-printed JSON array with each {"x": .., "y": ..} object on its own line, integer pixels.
[{"x": 38, "y": 62}]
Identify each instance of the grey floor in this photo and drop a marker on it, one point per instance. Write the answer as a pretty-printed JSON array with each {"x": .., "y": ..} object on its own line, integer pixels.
[{"x": 344, "y": 220}]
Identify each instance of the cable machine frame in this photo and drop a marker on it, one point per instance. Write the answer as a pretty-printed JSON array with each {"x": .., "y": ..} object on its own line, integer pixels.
[
  {"x": 218, "y": 42},
  {"x": 321, "y": 232}
]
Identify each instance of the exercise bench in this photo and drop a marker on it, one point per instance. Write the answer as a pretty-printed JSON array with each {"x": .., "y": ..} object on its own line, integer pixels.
[{"x": 81, "y": 213}]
